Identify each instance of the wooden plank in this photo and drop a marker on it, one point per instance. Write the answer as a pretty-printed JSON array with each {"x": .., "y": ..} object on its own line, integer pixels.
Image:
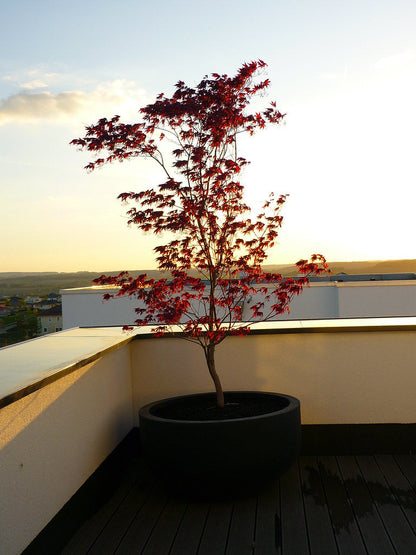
[
  {"x": 163, "y": 534},
  {"x": 400, "y": 486},
  {"x": 294, "y": 536},
  {"x": 145, "y": 516},
  {"x": 215, "y": 535},
  {"x": 75, "y": 527},
  {"x": 268, "y": 505},
  {"x": 120, "y": 521},
  {"x": 380, "y": 492},
  {"x": 375, "y": 537},
  {"x": 345, "y": 527},
  {"x": 321, "y": 534},
  {"x": 407, "y": 465},
  {"x": 241, "y": 533},
  {"x": 395, "y": 522},
  {"x": 190, "y": 530},
  {"x": 134, "y": 477}
]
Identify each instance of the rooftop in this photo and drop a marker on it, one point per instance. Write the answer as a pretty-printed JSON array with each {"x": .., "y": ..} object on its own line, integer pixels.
[
  {"x": 323, "y": 504},
  {"x": 403, "y": 276},
  {"x": 73, "y": 480}
]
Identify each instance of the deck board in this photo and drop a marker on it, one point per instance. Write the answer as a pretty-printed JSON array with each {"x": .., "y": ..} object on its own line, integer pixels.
[
  {"x": 190, "y": 530},
  {"x": 323, "y": 504},
  {"x": 242, "y": 527},
  {"x": 268, "y": 501},
  {"x": 407, "y": 465},
  {"x": 215, "y": 535},
  {"x": 95, "y": 526},
  {"x": 400, "y": 532},
  {"x": 320, "y": 531},
  {"x": 145, "y": 520},
  {"x": 347, "y": 533},
  {"x": 164, "y": 533},
  {"x": 120, "y": 521},
  {"x": 369, "y": 522},
  {"x": 400, "y": 487},
  {"x": 294, "y": 537}
]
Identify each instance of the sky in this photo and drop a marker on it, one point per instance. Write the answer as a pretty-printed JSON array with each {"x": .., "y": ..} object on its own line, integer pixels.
[{"x": 344, "y": 72}]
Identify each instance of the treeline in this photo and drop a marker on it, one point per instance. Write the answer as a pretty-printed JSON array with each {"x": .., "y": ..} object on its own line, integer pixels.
[{"x": 43, "y": 283}]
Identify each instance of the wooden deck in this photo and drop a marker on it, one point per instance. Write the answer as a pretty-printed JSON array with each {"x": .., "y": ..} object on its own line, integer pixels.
[{"x": 324, "y": 505}]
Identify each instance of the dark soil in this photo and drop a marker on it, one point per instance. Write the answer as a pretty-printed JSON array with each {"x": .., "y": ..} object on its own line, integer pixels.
[{"x": 204, "y": 408}]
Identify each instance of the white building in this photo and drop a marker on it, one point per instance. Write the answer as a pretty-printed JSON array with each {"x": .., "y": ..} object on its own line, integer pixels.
[
  {"x": 342, "y": 296},
  {"x": 50, "y": 321}
]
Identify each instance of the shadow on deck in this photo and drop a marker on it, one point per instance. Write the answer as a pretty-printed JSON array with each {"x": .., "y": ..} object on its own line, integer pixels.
[{"x": 323, "y": 505}]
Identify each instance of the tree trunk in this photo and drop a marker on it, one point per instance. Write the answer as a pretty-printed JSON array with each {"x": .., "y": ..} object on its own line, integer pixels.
[{"x": 210, "y": 357}]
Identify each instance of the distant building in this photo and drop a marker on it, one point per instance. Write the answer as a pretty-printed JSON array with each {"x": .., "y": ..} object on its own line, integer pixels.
[
  {"x": 45, "y": 305},
  {"x": 16, "y": 302},
  {"x": 340, "y": 296},
  {"x": 4, "y": 310},
  {"x": 32, "y": 300},
  {"x": 50, "y": 321}
]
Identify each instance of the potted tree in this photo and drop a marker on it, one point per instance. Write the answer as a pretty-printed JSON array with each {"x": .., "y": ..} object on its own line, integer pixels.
[{"x": 213, "y": 260}]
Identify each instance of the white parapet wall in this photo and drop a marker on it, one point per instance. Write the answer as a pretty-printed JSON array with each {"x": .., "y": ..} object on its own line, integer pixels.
[
  {"x": 68, "y": 399},
  {"x": 85, "y": 306},
  {"x": 374, "y": 299},
  {"x": 54, "y": 438},
  {"x": 363, "y": 299},
  {"x": 343, "y": 371}
]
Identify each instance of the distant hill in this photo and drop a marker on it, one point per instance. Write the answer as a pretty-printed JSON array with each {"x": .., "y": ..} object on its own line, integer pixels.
[
  {"x": 43, "y": 283},
  {"x": 358, "y": 267}
]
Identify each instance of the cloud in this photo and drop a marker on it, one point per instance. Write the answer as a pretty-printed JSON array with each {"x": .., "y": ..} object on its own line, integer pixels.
[
  {"x": 396, "y": 60},
  {"x": 35, "y": 78},
  {"x": 36, "y": 84},
  {"x": 119, "y": 96}
]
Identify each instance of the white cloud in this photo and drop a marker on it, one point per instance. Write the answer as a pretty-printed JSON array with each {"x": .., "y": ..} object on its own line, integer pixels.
[
  {"x": 119, "y": 96},
  {"x": 36, "y": 84},
  {"x": 396, "y": 60},
  {"x": 29, "y": 78}
]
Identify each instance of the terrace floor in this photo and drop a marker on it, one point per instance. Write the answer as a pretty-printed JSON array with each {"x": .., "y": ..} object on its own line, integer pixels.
[{"x": 324, "y": 505}]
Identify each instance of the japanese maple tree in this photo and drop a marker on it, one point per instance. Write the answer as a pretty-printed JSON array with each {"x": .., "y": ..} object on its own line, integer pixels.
[{"x": 200, "y": 207}]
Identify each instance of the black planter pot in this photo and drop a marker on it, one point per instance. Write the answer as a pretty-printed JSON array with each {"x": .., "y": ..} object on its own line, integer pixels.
[{"x": 220, "y": 457}]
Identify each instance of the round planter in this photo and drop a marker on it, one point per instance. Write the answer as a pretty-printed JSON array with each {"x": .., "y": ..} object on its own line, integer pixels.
[{"x": 221, "y": 457}]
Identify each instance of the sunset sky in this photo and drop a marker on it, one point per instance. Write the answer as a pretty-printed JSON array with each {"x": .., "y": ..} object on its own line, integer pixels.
[{"x": 343, "y": 71}]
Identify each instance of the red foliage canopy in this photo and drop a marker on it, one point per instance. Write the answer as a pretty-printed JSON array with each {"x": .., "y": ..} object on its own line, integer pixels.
[{"x": 201, "y": 203}]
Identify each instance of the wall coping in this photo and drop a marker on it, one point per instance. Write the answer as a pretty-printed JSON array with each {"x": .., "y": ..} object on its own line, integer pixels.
[
  {"x": 313, "y": 284},
  {"x": 31, "y": 365}
]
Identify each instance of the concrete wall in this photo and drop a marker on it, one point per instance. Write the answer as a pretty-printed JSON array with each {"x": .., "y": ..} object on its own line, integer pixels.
[
  {"x": 318, "y": 301},
  {"x": 85, "y": 306},
  {"x": 52, "y": 440},
  {"x": 377, "y": 299},
  {"x": 340, "y": 377}
]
